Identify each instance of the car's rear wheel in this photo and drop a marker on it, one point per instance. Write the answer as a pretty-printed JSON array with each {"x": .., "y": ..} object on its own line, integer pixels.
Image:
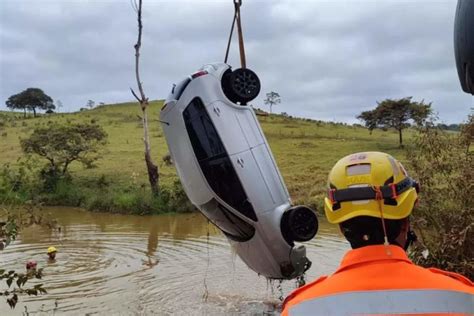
[
  {"x": 299, "y": 223},
  {"x": 241, "y": 85}
]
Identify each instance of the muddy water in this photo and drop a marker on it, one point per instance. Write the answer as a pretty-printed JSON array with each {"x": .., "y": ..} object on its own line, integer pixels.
[{"x": 155, "y": 265}]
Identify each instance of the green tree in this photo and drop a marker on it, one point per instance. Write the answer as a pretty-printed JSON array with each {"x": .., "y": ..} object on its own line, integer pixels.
[
  {"x": 30, "y": 99},
  {"x": 15, "y": 102},
  {"x": 62, "y": 145},
  {"x": 397, "y": 114},
  {"x": 272, "y": 99}
]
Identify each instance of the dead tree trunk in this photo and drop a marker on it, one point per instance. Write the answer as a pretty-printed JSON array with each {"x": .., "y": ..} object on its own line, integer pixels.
[
  {"x": 400, "y": 138},
  {"x": 152, "y": 169}
]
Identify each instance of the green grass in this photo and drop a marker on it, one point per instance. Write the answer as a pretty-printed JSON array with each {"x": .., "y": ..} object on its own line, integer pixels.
[{"x": 305, "y": 150}]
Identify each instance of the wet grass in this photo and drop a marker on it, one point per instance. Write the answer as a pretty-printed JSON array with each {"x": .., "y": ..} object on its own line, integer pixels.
[{"x": 305, "y": 150}]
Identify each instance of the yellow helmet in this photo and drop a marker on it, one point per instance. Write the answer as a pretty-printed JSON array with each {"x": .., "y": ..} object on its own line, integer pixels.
[
  {"x": 52, "y": 249},
  {"x": 358, "y": 180}
]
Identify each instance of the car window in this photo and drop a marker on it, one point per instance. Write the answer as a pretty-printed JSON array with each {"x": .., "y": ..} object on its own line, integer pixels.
[
  {"x": 231, "y": 225},
  {"x": 214, "y": 160},
  {"x": 204, "y": 138}
]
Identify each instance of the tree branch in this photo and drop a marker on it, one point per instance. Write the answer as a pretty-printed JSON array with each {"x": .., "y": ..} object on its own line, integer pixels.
[
  {"x": 135, "y": 95},
  {"x": 142, "y": 99}
]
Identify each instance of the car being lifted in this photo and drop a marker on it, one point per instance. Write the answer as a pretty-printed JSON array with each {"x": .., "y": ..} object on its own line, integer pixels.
[{"x": 228, "y": 171}]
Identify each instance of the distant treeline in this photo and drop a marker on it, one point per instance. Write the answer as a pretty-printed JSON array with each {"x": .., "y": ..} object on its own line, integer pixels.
[{"x": 450, "y": 127}]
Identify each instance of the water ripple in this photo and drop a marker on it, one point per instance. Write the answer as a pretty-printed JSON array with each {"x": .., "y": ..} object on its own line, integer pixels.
[{"x": 131, "y": 265}]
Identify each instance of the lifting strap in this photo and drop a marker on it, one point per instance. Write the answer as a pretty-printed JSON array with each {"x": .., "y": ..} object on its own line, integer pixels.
[{"x": 237, "y": 5}]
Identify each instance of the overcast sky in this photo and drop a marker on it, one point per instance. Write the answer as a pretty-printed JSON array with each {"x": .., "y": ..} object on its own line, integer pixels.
[{"x": 329, "y": 60}]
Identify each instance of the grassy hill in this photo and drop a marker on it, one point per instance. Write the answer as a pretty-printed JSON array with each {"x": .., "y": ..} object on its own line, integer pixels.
[{"x": 305, "y": 150}]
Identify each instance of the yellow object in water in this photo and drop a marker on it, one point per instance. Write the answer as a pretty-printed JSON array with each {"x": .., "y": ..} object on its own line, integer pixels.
[{"x": 52, "y": 249}]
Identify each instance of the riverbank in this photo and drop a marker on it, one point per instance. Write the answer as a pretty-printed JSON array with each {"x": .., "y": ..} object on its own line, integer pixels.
[
  {"x": 304, "y": 149},
  {"x": 106, "y": 197}
]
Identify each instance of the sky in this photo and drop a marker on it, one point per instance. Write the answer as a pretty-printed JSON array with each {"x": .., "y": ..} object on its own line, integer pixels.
[{"x": 329, "y": 60}]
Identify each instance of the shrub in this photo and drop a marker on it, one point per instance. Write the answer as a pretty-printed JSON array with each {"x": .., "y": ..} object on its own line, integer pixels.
[
  {"x": 102, "y": 182},
  {"x": 443, "y": 163},
  {"x": 126, "y": 201},
  {"x": 177, "y": 198},
  {"x": 62, "y": 145},
  {"x": 65, "y": 193},
  {"x": 20, "y": 182}
]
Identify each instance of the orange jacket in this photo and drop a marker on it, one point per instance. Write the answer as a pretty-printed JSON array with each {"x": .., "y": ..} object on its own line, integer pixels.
[{"x": 381, "y": 280}]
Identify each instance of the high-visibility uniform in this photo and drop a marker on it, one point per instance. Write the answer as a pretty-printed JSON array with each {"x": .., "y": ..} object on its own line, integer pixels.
[{"x": 381, "y": 280}]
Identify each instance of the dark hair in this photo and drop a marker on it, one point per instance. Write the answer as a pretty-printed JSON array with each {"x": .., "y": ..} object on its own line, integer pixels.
[{"x": 365, "y": 230}]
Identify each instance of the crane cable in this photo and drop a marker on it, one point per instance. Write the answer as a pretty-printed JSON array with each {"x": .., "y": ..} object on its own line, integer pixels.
[{"x": 237, "y": 5}]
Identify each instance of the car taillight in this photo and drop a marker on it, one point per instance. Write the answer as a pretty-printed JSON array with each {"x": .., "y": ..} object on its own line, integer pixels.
[{"x": 199, "y": 74}]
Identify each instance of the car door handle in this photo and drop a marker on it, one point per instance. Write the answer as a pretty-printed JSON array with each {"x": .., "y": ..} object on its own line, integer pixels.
[
  {"x": 240, "y": 161},
  {"x": 217, "y": 111}
]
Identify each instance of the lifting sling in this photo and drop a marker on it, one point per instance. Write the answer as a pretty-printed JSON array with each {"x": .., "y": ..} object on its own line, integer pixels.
[{"x": 237, "y": 5}]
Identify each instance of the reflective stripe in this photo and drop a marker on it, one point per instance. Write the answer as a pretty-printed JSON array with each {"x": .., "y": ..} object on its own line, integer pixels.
[{"x": 387, "y": 302}]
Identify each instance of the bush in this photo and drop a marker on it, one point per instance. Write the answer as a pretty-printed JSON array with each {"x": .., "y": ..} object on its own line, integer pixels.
[
  {"x": 63, "y": 145},
  {"x": 127, "y": 201},
  {"x": 135, "y": 200},
  {"x": 177, "y": 199},
  {"x": 21, "y": 183},
  {"x": 65, "y": 193},
  {"x": 444, "y": 219}
]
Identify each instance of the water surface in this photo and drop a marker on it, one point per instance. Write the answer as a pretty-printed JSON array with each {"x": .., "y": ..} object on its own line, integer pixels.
[{"x": 113, "y": 264}]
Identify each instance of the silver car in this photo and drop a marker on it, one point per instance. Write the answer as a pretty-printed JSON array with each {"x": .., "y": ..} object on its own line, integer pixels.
[{"x": 228, "y": 171}]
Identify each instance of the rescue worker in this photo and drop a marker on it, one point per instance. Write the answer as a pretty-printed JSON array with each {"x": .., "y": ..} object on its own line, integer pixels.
[
  {"x": 52, "y": 253},
  {"x": 371, "y": 196},
  {"x": 31, "y": 266}
]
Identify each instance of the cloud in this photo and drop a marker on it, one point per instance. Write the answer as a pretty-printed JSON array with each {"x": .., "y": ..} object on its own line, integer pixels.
[{"x": 328, "y": 60}]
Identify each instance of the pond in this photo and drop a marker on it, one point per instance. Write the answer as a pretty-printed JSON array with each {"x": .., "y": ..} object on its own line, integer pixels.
[{"x": 175, "y": 264}]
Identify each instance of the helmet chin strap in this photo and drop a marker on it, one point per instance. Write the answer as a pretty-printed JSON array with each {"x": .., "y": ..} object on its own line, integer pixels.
[
  {"x": 411, "y": 238},
  {"x": 379, "y": 198}
]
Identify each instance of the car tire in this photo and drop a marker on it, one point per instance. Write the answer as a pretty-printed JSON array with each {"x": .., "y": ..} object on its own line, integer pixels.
[
  {"x": 299, "y": 223},
  {"x": 241, "y": 85}
]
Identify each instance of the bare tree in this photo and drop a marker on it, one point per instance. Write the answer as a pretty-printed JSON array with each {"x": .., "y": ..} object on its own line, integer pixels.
[
  {"x": 59, "y": 105},
  {"x": 272, "y": 99},
  {"x": 90, "y": 104},
  {"x": 152, "y": 168}
]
